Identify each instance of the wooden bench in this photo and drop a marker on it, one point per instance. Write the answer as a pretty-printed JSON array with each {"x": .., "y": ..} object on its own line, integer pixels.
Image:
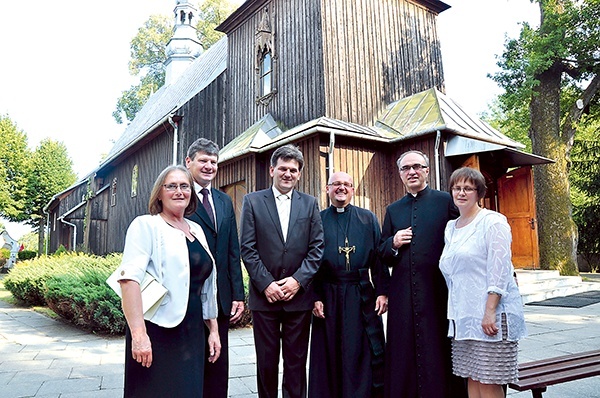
[{"x": 538, "y": 375}]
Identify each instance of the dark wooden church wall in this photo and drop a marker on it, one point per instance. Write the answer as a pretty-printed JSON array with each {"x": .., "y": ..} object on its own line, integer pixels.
[
  {"x": 99, "y": 222},
  {"x": 376, "y": 52},
  {"x": 203, "y": 116},
  {"x": 253, "y": 169},
  {"x": 427, "y": 146},
  {"x": 298, "y": 67},
  {"x": 368, "y": 167},
  {"x": 151, "y": 159},
  {"x": 311, "y": 181},
  {"x": 59, "y": 232},
  {"x": 240, "y": 171},
  {"x": 74, "y": 198},
  {"x": 55, "y": 230}
]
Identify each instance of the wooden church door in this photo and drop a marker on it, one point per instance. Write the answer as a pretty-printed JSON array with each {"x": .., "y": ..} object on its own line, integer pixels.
[{"x": 517, "y": 202}]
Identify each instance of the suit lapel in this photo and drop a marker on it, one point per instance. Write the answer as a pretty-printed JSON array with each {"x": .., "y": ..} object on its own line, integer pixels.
[
  {"x": 201, "y": 212},
  {"x": 271, "y": 205},
  {"x": 219, "y": 206},
  {"x": 295, "y": 205}
]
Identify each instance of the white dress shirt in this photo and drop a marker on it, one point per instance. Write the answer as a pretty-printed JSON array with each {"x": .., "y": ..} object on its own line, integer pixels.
[{"x": 284, "y": 204}]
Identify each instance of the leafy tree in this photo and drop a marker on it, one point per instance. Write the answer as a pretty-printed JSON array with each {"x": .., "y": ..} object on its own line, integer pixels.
[
  {"x": 148, "y": 54},
  {"x": 30, "y": 241},
  {"x": 514, "y": 121},
  {"x": 14, "y": 170},
  {"x": 554, "y": 70},
  {"x": 51, "y": 173},
  {"x": 211, "y": 14},
  {"x": 585, "y": 193}
]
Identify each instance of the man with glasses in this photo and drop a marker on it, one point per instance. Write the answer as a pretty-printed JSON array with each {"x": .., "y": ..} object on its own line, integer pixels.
[
  {"x": 347, "y": 340},
  {"x": 418, "y": 357}
]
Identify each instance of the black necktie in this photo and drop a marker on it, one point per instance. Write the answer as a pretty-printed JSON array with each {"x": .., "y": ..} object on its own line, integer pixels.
[{"x": 207, "y": 206}]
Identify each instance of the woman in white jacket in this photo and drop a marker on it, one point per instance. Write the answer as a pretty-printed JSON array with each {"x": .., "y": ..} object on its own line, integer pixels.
[
  {"x": 165, "y": 351},
  {"x": 484, "y": 305}
]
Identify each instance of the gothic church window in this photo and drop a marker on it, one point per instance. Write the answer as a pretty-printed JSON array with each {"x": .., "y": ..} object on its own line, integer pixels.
[
  {"x": 266, "y": 71},
  {"x": 266, "y": 59}
]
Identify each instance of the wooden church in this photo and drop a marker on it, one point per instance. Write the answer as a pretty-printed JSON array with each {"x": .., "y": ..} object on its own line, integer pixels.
[{"x": 353, "y": 84}]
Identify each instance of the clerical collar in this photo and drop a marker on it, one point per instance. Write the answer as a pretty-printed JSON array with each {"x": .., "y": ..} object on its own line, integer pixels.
[
  {"x": 421, "y": 192},
  {"x": 341, "y": 209}
]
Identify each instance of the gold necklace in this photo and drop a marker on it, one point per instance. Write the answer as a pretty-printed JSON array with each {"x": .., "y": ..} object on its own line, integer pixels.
[{"x": 175, "y": 225}]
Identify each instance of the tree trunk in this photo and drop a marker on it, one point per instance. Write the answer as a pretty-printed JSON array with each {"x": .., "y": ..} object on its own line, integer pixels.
[{"x": 557, "y": 230}]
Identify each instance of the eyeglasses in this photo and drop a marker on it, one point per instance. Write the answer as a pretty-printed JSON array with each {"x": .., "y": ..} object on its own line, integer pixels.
[
  {"x": 415, "y": 167},
  {"x": 340, "y": 183},
  {"x": 173, "y": 187},
  {"x": 466, "y": 190}
]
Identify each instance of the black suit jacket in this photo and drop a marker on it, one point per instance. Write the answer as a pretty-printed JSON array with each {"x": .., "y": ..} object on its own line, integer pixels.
[
  {"x": 224, "y": 245},
  {"x": 268, "y": 258}
]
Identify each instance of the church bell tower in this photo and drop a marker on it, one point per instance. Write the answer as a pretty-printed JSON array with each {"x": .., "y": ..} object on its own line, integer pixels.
[{"x": 184, "y": 47}]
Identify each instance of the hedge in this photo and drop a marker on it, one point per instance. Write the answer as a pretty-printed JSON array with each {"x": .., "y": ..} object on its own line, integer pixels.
[{"x": 72, "y": 285}]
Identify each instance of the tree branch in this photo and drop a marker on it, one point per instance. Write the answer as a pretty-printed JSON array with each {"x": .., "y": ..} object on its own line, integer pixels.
[{"x": 568, "y": 129}]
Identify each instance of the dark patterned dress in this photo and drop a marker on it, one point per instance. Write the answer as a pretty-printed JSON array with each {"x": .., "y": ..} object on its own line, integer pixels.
[{"x": 177, "y": 368}]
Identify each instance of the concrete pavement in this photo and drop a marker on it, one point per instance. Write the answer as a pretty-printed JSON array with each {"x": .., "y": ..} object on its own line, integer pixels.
[{"x": 45, "y": 358}]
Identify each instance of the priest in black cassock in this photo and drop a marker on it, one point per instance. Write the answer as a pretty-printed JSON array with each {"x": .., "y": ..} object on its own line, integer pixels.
[
  {"x": 418, "y": 358},
  {"x": 347, "y": 341}
]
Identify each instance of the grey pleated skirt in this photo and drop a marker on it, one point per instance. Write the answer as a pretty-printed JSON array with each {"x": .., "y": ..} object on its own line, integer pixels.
[{"x": 488, "y": 362}]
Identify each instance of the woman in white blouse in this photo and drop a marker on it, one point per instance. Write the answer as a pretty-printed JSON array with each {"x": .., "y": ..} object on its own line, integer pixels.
[
  {"x": 165, "y": 350},
  {"x": 485, "y": 309}
]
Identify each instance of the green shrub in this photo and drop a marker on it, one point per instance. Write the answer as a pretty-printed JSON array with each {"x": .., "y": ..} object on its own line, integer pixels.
[
  {"x": 27, "y": 279},
  {"x": 84, "y": 298},
  {"x": 60, "y": 251},
  {"x": 4, "y": 253},
  {"x": 26, "y": 254}
]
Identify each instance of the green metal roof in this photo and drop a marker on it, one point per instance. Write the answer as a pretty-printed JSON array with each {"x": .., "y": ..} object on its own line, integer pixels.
[
  {"x": 417, "y": 115},
  {"x": 430, "y": 111}
]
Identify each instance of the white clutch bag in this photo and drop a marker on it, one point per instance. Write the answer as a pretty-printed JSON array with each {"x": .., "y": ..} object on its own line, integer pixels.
[{"x": 153, "y": 292}]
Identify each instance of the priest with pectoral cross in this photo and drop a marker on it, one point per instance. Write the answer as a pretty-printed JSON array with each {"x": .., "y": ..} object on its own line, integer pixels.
[
  {"x": 347, "y": 340},
  {"x": 347, "y": 250}
]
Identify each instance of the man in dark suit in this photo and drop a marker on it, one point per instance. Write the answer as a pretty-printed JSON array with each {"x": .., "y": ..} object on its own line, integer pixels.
[
  {"x": 281, "y": 245},
  {"x": 217, "y": 219},
  {"x": 417, "y": 358}
]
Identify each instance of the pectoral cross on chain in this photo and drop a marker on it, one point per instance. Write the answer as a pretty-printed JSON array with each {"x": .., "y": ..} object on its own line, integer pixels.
[{"x": 347, "y": 250}]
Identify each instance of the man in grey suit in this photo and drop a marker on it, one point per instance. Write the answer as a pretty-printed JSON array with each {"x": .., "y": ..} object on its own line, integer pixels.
[
  {"x": 216, "y": 217},
  {"x": 281, "y": 245}
]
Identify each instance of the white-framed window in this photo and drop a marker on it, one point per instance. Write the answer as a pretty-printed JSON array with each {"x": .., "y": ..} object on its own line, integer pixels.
[
  {"x": 134, "y": 181},
  {"x": 113, "y": 192},
  {"x": 266, "y": 74}
]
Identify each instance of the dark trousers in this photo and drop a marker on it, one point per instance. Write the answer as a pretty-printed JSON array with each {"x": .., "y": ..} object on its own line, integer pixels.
[
  {"x": 216, "y": 375},
  {"x": 288, "y": 332}
]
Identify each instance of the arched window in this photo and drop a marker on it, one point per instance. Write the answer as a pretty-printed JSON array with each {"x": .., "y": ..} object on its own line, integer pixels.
[
  {"x": 266, "y": 74},
  {"x": 265, "y": 59}
]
